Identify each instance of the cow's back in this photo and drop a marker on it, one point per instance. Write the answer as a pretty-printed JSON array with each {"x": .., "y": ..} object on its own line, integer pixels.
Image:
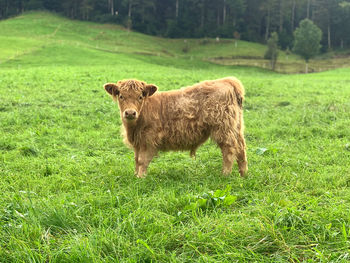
[{"x": 187, "y": 116}]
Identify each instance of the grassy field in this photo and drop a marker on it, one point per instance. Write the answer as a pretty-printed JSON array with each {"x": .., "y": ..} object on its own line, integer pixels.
[{"x": 67, "y": 183}]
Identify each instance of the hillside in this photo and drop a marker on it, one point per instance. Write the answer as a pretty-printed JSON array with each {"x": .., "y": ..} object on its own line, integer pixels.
[
  {"x": 40, "y": 31},
  {"x": 24, "y": 37}
]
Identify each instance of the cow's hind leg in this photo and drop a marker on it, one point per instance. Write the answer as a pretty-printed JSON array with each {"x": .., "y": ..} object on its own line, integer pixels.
[
  {"x": 232, "y": 145},
  {"x": 242, "y": 156},
  {"x": 241, "y": 147},
  {"x": 228, "y": 157},
  {"x": 225, "y": 140}
]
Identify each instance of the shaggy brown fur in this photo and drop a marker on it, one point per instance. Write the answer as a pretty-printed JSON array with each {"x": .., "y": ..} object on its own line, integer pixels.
[{"x": 182, "y": 119}]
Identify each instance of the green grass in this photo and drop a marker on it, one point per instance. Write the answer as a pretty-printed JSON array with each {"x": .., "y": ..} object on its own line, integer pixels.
[{"x": 67, "y": 183}]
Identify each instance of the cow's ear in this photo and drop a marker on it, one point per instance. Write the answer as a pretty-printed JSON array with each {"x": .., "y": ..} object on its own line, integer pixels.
[
  {"x": 149, "y": 90},
  {"x": 112, "y": 89}
]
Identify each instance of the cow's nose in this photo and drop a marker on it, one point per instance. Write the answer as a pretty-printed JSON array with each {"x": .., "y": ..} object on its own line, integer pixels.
[{"x": 130, "y": 114}]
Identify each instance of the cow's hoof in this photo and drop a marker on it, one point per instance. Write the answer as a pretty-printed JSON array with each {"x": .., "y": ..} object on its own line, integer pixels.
[
  {"x": 226, "y": 173},
  {"x": 244, "y": 174}
]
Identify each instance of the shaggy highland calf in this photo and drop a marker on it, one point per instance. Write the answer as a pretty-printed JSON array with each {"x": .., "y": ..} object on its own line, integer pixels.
[{"x": 182, "y": 119}]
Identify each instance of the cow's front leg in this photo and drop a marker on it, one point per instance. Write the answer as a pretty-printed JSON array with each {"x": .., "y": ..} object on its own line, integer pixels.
[{"x": 145, "y": 156}]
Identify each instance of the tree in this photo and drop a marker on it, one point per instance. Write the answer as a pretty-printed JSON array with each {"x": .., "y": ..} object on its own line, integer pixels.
[
  {"x": 111, "y": 6},
  {"x": 307, "y": 40},
  {"x": 327, "y": 16},
  {"x": 344, "y": 34},
  {"x": 272, "y": 16},
  {"x": 272, "y": 50}
]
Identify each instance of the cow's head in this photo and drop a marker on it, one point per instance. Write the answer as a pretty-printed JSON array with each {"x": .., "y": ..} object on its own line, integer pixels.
[{"x": 131, "y": 95}]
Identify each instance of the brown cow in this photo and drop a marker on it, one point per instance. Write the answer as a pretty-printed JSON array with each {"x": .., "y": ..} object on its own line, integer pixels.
[{"x": 182, "y": 119}]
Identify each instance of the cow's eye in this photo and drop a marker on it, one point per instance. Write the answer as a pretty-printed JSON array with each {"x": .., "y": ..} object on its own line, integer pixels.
[
  {"x": 141, "y": 97},
  {"x": 121, "y": 97}
]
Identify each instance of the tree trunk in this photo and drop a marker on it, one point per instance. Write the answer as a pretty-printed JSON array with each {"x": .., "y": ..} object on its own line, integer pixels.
[
  {"x": 112, "y": 7},
  {"x": 19, "y": 7},
  {"x": 177, "y": 9},
  {"x": 281, "y": 17},
  {"x": 218, "y": 17},
  {"x": 306, "y": 67},
  {"x": 308, "y": 9},
  {"x": 267, "y": 24},
  {"x": 129, "y": 23},
  {"x": 329, "y": 35},
  {"x": 129, "y": 11},
  {"x": 224, "y": 13},
  {"x": 293, "y": 16},
  {"x": 7, "y": 8},
  {"x": 202, "y": 13}
]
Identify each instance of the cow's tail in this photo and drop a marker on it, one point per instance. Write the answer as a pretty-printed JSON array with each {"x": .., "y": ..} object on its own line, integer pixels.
[{"x": 238, "y": 90}]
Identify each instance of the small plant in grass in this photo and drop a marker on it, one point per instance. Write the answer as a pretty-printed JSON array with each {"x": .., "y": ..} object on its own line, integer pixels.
[
  {"x": 211, "y": 199},
  {"x": 264, "y": 151}
]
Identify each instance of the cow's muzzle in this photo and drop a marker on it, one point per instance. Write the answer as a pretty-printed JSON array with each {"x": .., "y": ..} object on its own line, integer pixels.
[{"x": 130, "y": 114}]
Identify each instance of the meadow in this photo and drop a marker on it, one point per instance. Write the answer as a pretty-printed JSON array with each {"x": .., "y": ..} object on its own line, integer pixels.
[{"x": 68, "y": 193}]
